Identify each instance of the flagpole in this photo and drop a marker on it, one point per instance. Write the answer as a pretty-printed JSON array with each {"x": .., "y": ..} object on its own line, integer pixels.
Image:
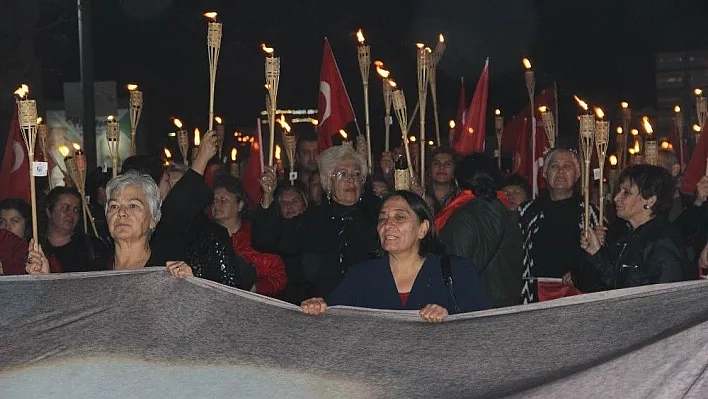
[{"x": 435, "y": 59}]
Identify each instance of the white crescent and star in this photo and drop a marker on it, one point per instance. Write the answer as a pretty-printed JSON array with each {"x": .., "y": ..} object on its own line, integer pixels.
[
  {"x": 326, "y": 91},
  {"x": 19, "y": 155}
]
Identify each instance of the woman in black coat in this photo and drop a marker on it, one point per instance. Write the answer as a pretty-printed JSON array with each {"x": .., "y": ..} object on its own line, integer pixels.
[
  {"x": 651, "y": 250},
  {"x": 412, "y": 275}
]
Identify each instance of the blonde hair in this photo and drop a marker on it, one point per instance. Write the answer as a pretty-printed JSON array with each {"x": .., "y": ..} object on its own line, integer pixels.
[{"x": 332, "y": 156}]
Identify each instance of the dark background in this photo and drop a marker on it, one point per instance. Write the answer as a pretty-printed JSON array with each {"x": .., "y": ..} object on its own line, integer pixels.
[{"x": 603, "y": 50}]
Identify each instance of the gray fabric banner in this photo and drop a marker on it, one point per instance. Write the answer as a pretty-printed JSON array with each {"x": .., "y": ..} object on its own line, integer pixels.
[{"x": 143, "y": 334}]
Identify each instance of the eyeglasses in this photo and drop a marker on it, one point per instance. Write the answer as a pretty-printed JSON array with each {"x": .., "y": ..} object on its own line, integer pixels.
[{"x": 344, "y": 175}]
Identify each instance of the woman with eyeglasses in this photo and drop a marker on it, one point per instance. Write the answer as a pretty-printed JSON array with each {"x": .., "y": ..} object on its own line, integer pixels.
[{"x": 329, "y": 238}]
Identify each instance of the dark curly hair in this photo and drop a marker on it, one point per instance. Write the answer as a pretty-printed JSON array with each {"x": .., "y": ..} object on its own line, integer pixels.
[
  {"x": 652, "y": 181},
  {"x": 23, "y": 208}
]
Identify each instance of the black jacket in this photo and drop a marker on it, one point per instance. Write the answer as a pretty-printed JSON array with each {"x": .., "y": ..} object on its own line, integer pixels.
[
  {"x": 653, "y": 253},
  {"x": 487, "y": 234},
  {"x": 326, "y": 239}
]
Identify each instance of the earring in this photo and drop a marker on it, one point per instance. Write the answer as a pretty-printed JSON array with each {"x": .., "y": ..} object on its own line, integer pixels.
[{"x": 646, "y": 206}]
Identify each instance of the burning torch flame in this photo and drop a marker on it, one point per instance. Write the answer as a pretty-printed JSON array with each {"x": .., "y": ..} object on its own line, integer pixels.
[
  {"x": 197, "y": 140},
  {"x": 76, "y": 146},
  {"x": 23, "y": 91},
  {"x": 412, "y": 139},
  {"x": 420, "y": 45},
  {"x": 343, "y": 134},
  {"x": 211, "y": 15},
  {"x": 378, "y": 63},
  {"x": 168, "y": 154},
  {"x": 677, "y": 109},
  {"x": 451, "y": 124},
  {"x": 696, "y": 128},
  {"x": 580, "y": 102},
  {"x": 178, "y": 123},
  {"x": 665, "y": 145},
  {"x": 360, "y": 36},
  {"x": 110, "y": 118},
  {"x": 64, "y": 150},
  {"x": 635, "y": 132},
  {"x": 382, "y": 72},
  {"x": 234, "y": 153},
  {"x": 624, "y": 105},
  {"x": 497, "y": 112},
  {"x": 218, "y": 120},
  {"x": 636, "y": 147},
  {"x": 600, "y": 114},
  {"x": 542, "y": 109},
  {"x": 632, "y": 151},
  {"x": 132, "y": 87},
  {"x": 315, "y": 122},
  {"x": 527, "y": 64},
  {"x": 283, "y": 123},
  {"x": 620, "y": 130},
  {"x": 268, "y": 50},
  {"x": 441, "y": 38},
  {"x": 698, "y": 92},
  {"x": 647, "y": 125},
  {"x": 277, "y": 152},
  {"x": 39, "y": 120},
  {"x": 613, "y": 160},
  {"x": 392, "y": 83},
  {"x": 431, "y": 143}
]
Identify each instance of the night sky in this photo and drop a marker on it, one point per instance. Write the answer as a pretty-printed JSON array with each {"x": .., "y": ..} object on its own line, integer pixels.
[{"x": 603, "y": 50}]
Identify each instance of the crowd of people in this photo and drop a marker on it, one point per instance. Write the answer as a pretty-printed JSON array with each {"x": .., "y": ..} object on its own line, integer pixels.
[{"x": 471, "y": 239}]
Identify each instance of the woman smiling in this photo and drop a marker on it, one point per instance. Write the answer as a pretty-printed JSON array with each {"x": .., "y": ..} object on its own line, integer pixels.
[{"x": 411, "y": 275}]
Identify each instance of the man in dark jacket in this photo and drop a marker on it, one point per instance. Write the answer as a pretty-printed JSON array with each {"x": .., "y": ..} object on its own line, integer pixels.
[{"x": 485, "y": 232}]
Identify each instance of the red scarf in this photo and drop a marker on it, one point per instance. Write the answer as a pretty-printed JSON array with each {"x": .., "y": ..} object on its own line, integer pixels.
[{"x": 463, "y": 198}]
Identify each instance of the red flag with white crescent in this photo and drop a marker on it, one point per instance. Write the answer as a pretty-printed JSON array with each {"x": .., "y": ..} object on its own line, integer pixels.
[
  {"x": 14, "y": 173},
  {"x": 334, "y": 110}
]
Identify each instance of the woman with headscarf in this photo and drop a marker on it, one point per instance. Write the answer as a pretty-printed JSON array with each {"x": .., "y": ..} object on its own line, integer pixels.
[
  {"x": 649, "y": 250},
  {"x": 329, "y": 238},
  {"x": 413, "y": 274}
]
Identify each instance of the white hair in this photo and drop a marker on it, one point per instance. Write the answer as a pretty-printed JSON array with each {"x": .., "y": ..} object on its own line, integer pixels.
[
  {"x": 332, "y": 156},
  {"x": 146, "y": 184},
  {"x": 552, "y": 154}
]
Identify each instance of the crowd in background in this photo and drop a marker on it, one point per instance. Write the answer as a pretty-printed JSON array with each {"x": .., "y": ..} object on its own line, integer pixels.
[{"x": 471, "y": 239}]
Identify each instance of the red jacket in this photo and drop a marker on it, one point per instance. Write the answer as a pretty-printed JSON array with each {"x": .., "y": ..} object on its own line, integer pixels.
[
  {"x": 13, "y": 250},
  {"x": 270, "y": 269}
]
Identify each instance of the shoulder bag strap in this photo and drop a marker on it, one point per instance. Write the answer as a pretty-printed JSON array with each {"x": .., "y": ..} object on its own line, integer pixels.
[{"x": 447, "y": 276}]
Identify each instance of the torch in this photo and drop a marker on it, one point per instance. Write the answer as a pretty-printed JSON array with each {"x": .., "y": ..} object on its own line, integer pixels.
[
  {"x": 213, "y": 46},
  {"x": 27, "y": 116},
  {"x": 182, "y": 140},
  {"x": 434, "y": 60},
  {"x": 80, "y": 178},
  {"x": 219, "y": 135},
  {"x": 388, "y": 86},
  {"x": 602, "y": 138},
  {"x": 530, "y": 79},
  {"x": 364, "y": 54},
  {"x": 635, "y": 151},
  {"x": 498, "y": 128},
  {"x": 423, "y": 64},
  {"x": 197, "y": 142},
  {"x": 651, "y": 145},
  {"x": 113, "y": 141},
  {"x": 234, "y": 165},
  {"x": 272, "y": 78},
  {"x": 289, "y": 142},
  {"x": 620, "y": 141},
  {"x": 451, "y": 124},
  {"x": 136, "y": 108},
  {"x": 42, "y": 136},
  {"x": 626, "y": 120},
  {"x": 587, "y": 134},
  {"x": 168, "y": 156},
  {"x": 614, "y": 174},
  {"x": 701, "y": 107},
  {"x": 549, "y": 124},
  {"x": 399, "y": 106},
  {"x": 679, "y": 123}
]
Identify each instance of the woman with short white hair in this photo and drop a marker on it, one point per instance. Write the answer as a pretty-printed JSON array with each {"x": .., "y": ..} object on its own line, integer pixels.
[
  {"x": 132, "y": 212},
  {"x": 325, "y": 240},
  {"x": 551, "y": 225}
]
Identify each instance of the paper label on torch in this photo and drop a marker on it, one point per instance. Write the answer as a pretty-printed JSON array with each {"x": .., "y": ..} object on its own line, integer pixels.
[
  {"x": 293, "y": 176},
  {"x": 596, "y": 173},
  {"x": 496, "y": 153},
  {"x": 39, "y": 169}
]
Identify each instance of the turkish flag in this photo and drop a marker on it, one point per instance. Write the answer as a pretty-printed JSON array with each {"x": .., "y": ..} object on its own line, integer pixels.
[
  {"x": 254, "y": 169},
  {"x": 471, "y": 137},
  {"x": 511, "y": 130},
  {"x": 550, "y": 289},
  {"x": 541, "y": 146},
  {"x": 518, "y": 127},
  {"x": 697, "y": 165},
  {"x": 14, "y": 173},
  {"x": 335, "y": 110}
]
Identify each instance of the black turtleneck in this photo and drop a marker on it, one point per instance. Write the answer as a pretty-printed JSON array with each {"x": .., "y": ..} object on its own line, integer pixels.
[{"x": 556, "y": 246}]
